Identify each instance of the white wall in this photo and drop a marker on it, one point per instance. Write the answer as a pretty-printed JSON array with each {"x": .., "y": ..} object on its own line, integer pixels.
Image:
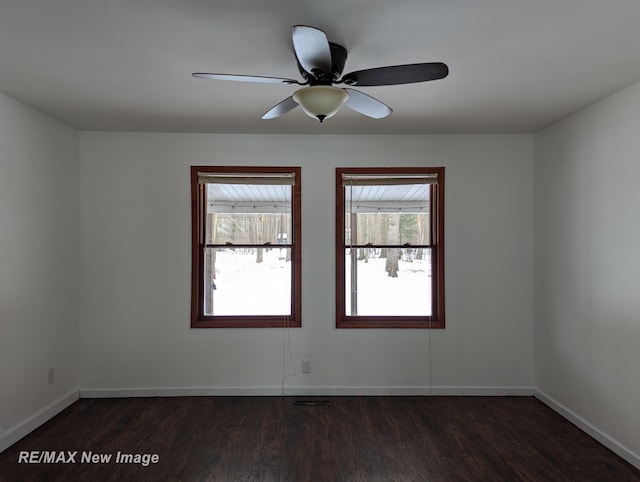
[
  {"x": 135, "y": 269},
  {"x": 587, "y": 327},
  {"x": 38, "y": 266}
]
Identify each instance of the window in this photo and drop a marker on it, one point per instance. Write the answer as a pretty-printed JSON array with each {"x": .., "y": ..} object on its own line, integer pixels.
[
  {"x": 389, "y": 247},
  {"x": 245, "y": 247}
]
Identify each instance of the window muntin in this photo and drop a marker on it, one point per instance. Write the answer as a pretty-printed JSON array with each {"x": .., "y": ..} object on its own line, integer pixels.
[
  {"x": 247, "y": 247},
  {"x": 389, "y": 251}
]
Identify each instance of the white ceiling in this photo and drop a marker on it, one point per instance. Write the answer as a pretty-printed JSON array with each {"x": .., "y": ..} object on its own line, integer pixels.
[{"x": 515, "y": 65}]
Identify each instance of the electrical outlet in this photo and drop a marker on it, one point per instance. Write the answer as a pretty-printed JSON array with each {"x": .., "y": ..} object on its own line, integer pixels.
[
  {"x": 306, "y": 366},
  {"x": 51, "y": 375}
]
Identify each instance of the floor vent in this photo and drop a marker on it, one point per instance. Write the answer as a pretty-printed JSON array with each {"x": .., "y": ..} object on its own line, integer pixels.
[{"x": 312, "y": 403}]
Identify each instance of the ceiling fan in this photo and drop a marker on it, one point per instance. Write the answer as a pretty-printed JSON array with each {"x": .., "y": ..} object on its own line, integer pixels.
[{"x": 320, "y": 63}]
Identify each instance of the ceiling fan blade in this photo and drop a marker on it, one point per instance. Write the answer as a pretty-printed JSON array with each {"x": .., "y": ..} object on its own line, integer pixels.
[
  {"x": 397, "y": 74},
  {"x": 244, "y": 78},
  {"x": 367, "y": 105},
  {"x": 312, "y": 49},
  {"x": 281, "y": 108}
]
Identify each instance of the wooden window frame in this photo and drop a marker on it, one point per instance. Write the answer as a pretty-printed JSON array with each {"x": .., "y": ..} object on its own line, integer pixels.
[
  {"x": 437, "y": 319},
  {"x": 198, "y": 318}
]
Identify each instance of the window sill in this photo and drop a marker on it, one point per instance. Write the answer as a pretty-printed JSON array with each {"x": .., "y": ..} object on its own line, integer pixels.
[
  {"x": 246, "y": 322},
  {"x": 389, "y": 322}
]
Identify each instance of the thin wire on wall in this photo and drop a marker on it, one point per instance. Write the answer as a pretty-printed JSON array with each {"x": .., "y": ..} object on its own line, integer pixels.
[{"x": 286, "y": 347}]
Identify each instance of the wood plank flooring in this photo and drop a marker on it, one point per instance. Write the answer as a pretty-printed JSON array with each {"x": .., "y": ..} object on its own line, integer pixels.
[{"x": 352, "y": 439}]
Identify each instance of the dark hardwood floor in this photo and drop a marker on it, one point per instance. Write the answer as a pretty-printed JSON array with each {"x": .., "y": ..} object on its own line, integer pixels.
[{"x": 352, "y": 439}]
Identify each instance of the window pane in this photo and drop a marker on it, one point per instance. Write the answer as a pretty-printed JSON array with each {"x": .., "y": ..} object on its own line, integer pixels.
[
  {"x": 376, "y": 292},
  {"x": 247, "y": 281},
  {"x": 387, "y": 228},
  {"x": 394, "y": 214},
  {"x": 248, "y": 214}
]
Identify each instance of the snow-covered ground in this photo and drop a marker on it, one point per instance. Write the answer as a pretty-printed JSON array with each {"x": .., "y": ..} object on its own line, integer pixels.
[
  {"x": 244, "y": 287},
  {"x": 378, "y": 294}
]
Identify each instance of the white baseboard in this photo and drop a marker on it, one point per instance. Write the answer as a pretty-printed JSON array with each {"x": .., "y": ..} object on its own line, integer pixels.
[
  {"x": 14, "y": 434},
  {"x": 304, "y": 391},
  {"x": 606, "y": 440}
]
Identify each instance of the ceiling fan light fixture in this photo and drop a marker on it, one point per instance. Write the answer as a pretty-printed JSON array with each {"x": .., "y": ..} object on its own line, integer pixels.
[
  {"x": 320, "y": 101},
  {"x": 320, "y": 63}
]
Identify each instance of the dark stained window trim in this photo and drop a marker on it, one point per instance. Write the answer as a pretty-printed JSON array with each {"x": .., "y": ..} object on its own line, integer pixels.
[
  {"x": 437, "y": 320},
  {"x": 198, "y": 319}
]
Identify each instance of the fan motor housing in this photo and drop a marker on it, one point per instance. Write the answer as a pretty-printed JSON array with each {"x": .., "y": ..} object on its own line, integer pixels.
[{"x": 338, "y": 60}]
